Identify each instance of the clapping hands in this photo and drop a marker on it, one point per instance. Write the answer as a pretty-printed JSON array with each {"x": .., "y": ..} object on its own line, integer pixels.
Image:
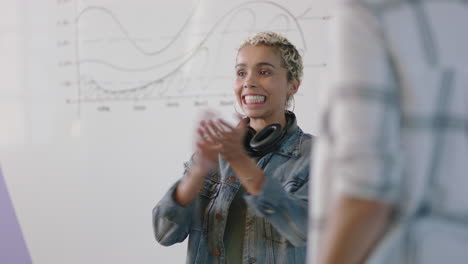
[{"x": 217, "y": 136}]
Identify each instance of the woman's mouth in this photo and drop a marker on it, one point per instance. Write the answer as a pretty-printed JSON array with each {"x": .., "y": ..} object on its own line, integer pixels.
[{"x": 253, "y": 99}]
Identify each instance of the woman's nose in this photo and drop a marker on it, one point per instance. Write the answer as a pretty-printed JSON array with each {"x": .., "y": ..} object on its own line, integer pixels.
[{"x": 250, "y": 82}]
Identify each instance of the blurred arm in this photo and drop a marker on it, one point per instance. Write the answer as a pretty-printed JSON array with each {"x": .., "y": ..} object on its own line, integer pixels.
[
  {"x": 354, "y": 227},
  {"x": 359, "y": 141}
]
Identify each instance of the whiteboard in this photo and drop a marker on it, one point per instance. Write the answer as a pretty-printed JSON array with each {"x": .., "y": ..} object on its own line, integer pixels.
[{"x": 99, "y": 103}]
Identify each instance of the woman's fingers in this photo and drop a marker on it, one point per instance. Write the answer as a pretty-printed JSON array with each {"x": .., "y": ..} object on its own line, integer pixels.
[
  {"x": 209, "y": 132},
  {"x": 219, "y": 132},
  {"x": 217, "y": 136},
  {"x": 239, "y": 128},
  {"x": 224, "y": 136},
  {"x": 205, "y": 141},
  {"x": 224, "y": 125},
  {"x": 243, "y": 123},
  {"x": 208, "y": 147},
  {"x": 202, "y": 135}
]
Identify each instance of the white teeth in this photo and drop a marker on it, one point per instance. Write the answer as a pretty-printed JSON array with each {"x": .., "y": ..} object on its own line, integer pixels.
[{"x": 254, "y": 99}]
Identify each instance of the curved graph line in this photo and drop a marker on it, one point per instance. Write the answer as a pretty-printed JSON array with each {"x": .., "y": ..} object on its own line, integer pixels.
[
  {"x": 127, "y": 34},
  {"x": 277, "y": 17},
  {"x": 246, "y": 10},
  {"x": 210, "y": 32},
  {"x": 203, "y": 65},
  {"x": 305, "y": 16},
  {"x": 126, "y": 69},
  {"x": 304, "y": 13},
  {"x": 122, "y": 68},
  {"x": 295, "y": 21}
]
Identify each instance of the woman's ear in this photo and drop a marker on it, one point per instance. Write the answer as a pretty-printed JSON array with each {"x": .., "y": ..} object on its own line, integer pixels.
[{"x": 293, "y": 86}]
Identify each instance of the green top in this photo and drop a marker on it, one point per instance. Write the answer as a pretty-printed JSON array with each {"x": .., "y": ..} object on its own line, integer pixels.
[{"x": 235, "y": 227}]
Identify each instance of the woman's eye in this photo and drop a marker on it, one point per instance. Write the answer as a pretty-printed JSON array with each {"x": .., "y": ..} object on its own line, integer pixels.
[
  {"x": 263, "y": 72},
  {"x": 240, "y": 73}
]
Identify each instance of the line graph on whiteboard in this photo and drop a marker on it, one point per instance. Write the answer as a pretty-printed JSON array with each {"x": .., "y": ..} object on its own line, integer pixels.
[{"x": 114, "y": 51}]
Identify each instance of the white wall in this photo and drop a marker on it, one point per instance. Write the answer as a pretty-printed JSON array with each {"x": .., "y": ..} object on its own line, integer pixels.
[{"x": 97, "y": 105}]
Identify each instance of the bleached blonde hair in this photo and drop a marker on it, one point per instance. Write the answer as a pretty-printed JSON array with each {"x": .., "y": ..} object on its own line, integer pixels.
[{"x": 291, "y": 58}]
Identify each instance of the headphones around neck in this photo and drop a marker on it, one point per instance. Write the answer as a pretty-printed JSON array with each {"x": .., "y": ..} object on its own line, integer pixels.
[{"x": 269, "y": 138}]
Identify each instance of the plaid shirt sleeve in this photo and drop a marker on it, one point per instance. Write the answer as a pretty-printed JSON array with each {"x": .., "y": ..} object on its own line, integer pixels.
[
  {"x": 359, "y": 129},
  {"x": 392, "y": 118},
  {"x": 357, "y": 150}
]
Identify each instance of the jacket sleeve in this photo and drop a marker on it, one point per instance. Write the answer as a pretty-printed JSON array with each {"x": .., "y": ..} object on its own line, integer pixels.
[
  {"x": 285, "y": 203},
  {"x": 171, "y": 221}
]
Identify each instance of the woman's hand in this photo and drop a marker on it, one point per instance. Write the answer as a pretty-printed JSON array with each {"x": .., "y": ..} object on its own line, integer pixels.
[
  {"x": 206, "y": 147},
  {"x": 230, "y": 144},
  {"x": 206, "y": 156},
  {"x": 229, "y": 140}
]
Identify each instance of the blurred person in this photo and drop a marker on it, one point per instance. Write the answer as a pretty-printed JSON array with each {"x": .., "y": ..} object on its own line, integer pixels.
[
  {"x": 243, "y": 197},
  {"x": 392, "y": 152}
]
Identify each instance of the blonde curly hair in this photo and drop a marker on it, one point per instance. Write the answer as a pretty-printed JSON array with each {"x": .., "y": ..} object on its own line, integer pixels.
[{"x": 292, "y": 60}]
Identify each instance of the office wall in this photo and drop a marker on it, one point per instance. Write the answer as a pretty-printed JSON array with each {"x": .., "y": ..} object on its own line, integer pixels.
[{"x": 97, "y": 108}]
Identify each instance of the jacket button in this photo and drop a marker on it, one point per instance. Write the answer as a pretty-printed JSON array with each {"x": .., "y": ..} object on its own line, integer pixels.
[
  {"x": 232, "y": 179},
  {"x": 252, "y": 260},
  {"x": 217, "y": 253},
  {"x": 218, "y": 216}
]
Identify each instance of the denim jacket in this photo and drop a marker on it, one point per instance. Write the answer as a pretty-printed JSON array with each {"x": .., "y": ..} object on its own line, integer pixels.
[{"x": 276, "y": 218}]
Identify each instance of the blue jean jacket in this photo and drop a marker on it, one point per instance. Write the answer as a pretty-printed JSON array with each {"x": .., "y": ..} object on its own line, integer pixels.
[{"x": 276, "y": 219}]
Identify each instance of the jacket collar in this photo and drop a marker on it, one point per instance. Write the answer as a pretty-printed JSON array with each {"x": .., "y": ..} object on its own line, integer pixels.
[{"x": 291, "y": 146}]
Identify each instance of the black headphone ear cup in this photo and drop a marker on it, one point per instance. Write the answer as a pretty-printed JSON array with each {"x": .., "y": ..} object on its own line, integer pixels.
[
  {"x": 267, "y": 139},
  {"x": 250, "y": 133}
]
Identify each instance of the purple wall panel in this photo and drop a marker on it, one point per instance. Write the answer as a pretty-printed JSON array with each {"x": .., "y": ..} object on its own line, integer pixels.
[{"x": 13, "y": 248}]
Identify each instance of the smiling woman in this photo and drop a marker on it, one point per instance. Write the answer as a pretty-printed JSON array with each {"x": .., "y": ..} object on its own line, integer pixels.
[
  {"x": 262, "y": 85},
  {"x": 244, "y": 195}
]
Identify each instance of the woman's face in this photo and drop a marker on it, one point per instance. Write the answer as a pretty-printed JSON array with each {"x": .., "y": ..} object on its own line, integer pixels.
[{"x": 262, "y": 86}]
